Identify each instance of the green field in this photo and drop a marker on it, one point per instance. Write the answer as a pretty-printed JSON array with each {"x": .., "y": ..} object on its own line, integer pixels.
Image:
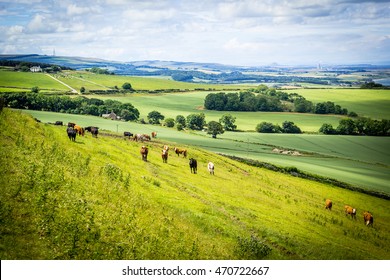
[
  {"x": 96, "y": 199},
  {"x": 16, "y": 81},
  {"x": 325, "y": 155}
]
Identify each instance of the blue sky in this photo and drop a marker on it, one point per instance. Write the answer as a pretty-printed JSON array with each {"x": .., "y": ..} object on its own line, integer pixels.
[{"x": 246, "y": 32}]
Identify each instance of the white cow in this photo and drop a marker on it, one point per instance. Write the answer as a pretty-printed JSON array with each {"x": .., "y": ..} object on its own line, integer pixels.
[{"x": 210, "y": 167}]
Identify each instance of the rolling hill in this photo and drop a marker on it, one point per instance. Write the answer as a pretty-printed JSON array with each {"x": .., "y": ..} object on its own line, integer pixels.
[{"x": 96, "y": 199}]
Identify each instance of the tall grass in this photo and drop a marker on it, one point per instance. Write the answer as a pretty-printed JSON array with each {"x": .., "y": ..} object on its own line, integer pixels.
[{"x": 96, "y": 199}]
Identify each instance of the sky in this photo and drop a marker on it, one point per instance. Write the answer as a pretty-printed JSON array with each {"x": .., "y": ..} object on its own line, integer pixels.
[{"x": 244, "y": 33}]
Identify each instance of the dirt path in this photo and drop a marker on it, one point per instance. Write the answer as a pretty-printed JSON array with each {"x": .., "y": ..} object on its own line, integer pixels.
[{"x": 68, "y": 86}]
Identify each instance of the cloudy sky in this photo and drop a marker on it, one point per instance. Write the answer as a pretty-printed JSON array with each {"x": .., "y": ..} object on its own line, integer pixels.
[{"x": 237, "y": 32}]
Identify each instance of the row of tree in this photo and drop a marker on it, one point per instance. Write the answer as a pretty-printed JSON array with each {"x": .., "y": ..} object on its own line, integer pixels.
[
  {"x": 65, "y": 104},
  {"x": 359, "y": 126},
  {"x": 287, "y": 127},
  {"x": 269, "y": 100},
  {"x": 24, "y": 66}
]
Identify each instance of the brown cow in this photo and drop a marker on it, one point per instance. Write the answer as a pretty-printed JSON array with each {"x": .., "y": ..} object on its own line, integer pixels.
[
  {"x": 368, "y": 218},
  {"x": 80, "y": 130},
  {"x": 328, "y": 204},
  {"x": 164, "y": 155},
  {"x": 144, "y": 153},
  {"x": 179, "y": 151},
  {"x": 154, "y": 134},
  {"x": 166, "y": 147},
  {"x": 350, "y": 211}
]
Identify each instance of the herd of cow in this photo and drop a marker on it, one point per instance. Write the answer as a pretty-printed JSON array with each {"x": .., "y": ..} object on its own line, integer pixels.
[
  {"x": 73, "y": 129},
  {"x": 367, "y": 216}
]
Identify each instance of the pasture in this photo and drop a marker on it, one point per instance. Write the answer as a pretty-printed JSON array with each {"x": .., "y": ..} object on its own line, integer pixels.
[
  {"x": 24, "y": 81},
  {"x": 326, "y": 155},
  {"x": 96, "y": 199}
]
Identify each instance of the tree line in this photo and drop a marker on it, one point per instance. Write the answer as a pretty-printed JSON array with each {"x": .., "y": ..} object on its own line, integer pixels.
[
  {"x": 65, "y": 104},
  {"x": 267, "y": 99},
  {"x": 359, "y": 126},
  {"x": 24, "y": 66}
]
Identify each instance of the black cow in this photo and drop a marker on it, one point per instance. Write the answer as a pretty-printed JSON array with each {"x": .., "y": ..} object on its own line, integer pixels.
[
  {"x": 127, "y": 134},
  {"x": 93, "y": 129},
  {"x": 58, "y": 123},
  {"x": 193, "y": 165},
  {"x": 71, "y": 133}
]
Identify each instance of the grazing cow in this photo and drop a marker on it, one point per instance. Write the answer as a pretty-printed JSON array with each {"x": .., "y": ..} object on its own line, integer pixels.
[
  {"x": 145, "y": 137},
  {"x": 350, "y": 211},
  {"x": 71, "y": 133},
  {"x": 127, "y": 134},
  {"x": 164, "y": 155},
  {"x": 368, "y": 218},
  {"x": 144, "y": 153},
  {"x": 328, "y": 204},
  {"x": 193, "y": 165},
  {"x": 80, "y": 130},
  {"x": 93, "y": 129},
  {"x": 71, "y": 124},
  {"x": 58, "y": 123},
  {"x": 154, "y": 134},
  {"x": 179, "y": 151},
  {"x": 210, "y": 167}
]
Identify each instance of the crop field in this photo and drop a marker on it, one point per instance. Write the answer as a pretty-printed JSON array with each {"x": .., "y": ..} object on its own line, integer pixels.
[
  {"x": 95, "y": 82},
  {"x": 96, "y": 199},
  {"x": 372, "y": 103},
  {"x": 326, "y": 155},
  {"x": 14, "y": 81}
]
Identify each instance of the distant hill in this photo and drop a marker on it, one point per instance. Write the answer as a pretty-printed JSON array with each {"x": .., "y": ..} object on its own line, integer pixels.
[{"x": 203, "y": 72}]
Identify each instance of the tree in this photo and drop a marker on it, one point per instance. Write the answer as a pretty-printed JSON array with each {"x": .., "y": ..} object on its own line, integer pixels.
[
  {"x": 290, "y": 127},
  {"x": 227, "y": 122},
  {"x": 214, "y": 128},
  {"x": 154, "y": 117},
  {"x": 170, "y": 122},
  {"x": 180, "y": 119},
  {"x": 327, "y": 129},
  {"x": 35, "y": 89},
  {"x": 127, "y": 86},
  {"x": 82, "y": 90},
  {"x": 346, "y": 127},
  {"x": 267, "y": 127},
  {"x": 196, "y": 121}
]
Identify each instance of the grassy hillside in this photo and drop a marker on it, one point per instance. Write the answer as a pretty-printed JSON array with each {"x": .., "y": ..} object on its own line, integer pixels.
[
  {"x": 332, "y": 156},
  {"x": 96, "y": 199}
]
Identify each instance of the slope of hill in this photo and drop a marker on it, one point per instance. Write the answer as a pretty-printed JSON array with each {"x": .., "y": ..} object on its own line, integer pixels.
[{"x": 96, "y": 199}]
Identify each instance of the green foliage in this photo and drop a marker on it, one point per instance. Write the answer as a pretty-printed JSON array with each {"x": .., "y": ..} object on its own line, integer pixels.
[
  {"x": 228, "y": 121},
  {"x": 154, "y": 117},
  {"x": 196, "y": 121},
  {"x": 35, "y": 89},
  {"x": 127, "y": 86},
  {"x": 181, "y": 120},
  {"x": 267, "y": 127},
  {"x": 169, "y": 122},
  {"x": 290, "y": 127},
  {"x": 327, "y": 129},
  {"x": 214, "y": 128}
]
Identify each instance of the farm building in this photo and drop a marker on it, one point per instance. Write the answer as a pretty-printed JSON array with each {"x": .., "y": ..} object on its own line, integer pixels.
[
  {"x": 111, "y": 115},
  {"x": 36, "y": 69}
]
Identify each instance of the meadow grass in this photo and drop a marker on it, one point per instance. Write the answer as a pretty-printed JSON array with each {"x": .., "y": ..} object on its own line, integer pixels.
[
  {"x": 96, "y": 199},
  {"x": 27, "y": 80},
  {"x": 330, "y": 156}
]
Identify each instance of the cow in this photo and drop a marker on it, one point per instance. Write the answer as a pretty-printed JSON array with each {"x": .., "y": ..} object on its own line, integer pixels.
[
  {"x": 71, "y": 133},
  {"x": 179, "y": 151},
  {"x": 210, "y": 167},
  {"x": 368, "y": 218},
  {"x": 164, "y": 155},
  {"x": 127, "y": 134},
  {"x": 166, "y": 147},
  {"x": 93, "y": 129},
  {"x": 58, "y": 123},
  {"x": 144, "y": 153},
  {"x": 71, "y": 124},
  {"x": 350, "y": 211},
  {"x": 328, "y": 204},
  {"x": 193, "y": 165},
  {"x": 154, "y": 134},
  {"x": 80, "y": 130},
  {"x": 145, "y": 137}
]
